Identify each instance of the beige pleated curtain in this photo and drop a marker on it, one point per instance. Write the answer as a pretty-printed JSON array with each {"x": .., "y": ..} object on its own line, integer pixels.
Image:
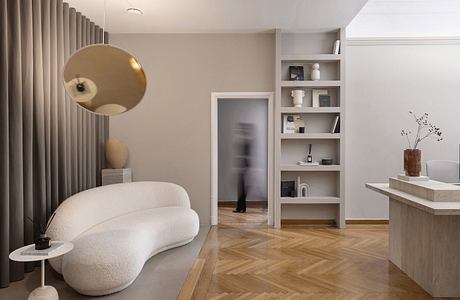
[{"x": 49, "y": 147}]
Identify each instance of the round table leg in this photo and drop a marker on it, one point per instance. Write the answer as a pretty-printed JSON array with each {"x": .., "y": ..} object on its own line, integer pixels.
[{"x": 44, "y": 292}]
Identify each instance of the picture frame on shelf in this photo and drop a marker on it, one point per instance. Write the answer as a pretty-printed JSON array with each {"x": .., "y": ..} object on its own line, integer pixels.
[
  {"x": 315, "y": 93},
  {"x": 296, "y": 73},
  {"x": 291, "y": 123},
  {"x": 324, "y": 101}
]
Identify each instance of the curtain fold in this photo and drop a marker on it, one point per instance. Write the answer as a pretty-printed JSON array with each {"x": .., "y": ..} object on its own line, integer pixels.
[{"x": 49, "y": 147}]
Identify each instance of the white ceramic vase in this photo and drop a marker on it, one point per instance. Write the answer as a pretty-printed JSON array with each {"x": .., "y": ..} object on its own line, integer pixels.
[
  {"x": 116, "y": 153},
  {"x": 315, "y": 73},
  {"x": 297, "y": 97}
]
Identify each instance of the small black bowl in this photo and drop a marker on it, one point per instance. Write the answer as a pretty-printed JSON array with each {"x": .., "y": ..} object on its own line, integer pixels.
[{"x": 327, "y": 161}]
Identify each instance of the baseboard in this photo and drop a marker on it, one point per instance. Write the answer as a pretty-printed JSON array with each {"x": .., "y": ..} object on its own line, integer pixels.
[
  {"x": 298, "y": 222},
  {"x": 253, "y": 203},
  {"x": 366, "y": 222}
]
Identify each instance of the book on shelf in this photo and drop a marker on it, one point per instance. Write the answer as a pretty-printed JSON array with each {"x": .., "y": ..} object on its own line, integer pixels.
[
  {"x": 336, "y": 47},
  {"x": 336, "y": 125},
  {"x": 45, "y": 252}
]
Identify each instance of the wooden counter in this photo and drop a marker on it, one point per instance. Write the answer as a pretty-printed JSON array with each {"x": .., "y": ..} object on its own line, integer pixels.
[{"x": 425, "y": 233}]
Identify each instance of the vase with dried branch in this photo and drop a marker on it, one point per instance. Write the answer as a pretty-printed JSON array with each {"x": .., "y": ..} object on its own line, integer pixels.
[{"x": 413, "y": 155}]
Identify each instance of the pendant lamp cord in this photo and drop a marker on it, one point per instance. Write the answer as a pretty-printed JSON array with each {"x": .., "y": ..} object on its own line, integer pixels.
[{"x": 103, "y": 23}]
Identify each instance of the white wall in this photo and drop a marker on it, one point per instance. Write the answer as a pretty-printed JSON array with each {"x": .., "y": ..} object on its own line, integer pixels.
[
  {"x": 230, "y": 113},
  {"x": 384, "y": 82}
]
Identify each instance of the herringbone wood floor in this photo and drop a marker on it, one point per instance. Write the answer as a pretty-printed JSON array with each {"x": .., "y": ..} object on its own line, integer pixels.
[{"x": 243, "y": 258}]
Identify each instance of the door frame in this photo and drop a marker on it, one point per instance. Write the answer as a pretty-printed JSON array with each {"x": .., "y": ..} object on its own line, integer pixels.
[{"x": 215, "y": 96}]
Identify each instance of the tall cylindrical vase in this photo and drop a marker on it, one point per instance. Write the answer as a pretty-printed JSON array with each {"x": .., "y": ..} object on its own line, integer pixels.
[{"x": 412, "y": 162}]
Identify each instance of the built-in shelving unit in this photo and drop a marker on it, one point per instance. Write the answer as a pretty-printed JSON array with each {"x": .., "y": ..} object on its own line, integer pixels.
[{"x": 326, "y": 182}]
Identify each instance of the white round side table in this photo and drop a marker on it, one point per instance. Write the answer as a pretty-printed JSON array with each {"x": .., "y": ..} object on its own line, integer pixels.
[{"x": 43, "y": 292}]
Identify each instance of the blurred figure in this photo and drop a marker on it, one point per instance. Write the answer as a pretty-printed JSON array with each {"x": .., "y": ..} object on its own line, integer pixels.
[{"x": 244, "y": 135}]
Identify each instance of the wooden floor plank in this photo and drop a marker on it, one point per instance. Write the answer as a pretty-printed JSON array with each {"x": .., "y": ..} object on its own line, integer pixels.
[{"x": 244, "y": 258}]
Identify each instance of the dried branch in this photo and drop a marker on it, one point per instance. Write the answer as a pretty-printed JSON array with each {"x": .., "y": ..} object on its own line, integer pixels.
[{"x": 424, "y": 131}]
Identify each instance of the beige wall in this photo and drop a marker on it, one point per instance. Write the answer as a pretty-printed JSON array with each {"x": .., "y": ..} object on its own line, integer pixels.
[{"x": 168, "y": 133}]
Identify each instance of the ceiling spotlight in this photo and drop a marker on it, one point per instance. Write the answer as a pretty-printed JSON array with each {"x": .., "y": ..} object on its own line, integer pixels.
[{"x": 135, "y": 11}]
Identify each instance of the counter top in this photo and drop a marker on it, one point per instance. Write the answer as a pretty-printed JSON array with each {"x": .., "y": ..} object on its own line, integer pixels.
[{"x": 436, "y": 208}]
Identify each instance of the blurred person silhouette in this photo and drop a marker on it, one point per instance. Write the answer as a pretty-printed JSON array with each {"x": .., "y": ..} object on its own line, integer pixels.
[{"x": 244, "y": 137}]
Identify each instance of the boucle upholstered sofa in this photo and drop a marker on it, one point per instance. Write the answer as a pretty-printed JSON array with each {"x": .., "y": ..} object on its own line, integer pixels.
[{"x": 116, "y": 229}]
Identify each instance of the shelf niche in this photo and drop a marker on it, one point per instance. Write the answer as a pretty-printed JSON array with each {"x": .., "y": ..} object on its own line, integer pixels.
[
  {"x": 286, "y": 99},
  {"x": 322, "y": 184},
  {"x": 329, "y": 70},
  {"x": 293, "y": 151},
  {"x": 315, "y": 123}
]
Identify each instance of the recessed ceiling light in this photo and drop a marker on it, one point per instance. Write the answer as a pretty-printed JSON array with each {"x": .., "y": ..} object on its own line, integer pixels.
[{"x": 133, "y": 10}]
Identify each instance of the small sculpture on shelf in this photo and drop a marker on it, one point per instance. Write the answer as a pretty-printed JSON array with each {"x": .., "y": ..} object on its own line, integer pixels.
[
  {"x": 315, "y": 73},
  {"x": 309, "y": 156},
  {"x": 309, "y": 159},
  {"x": 303, "y": 189},
  {"x": 297, "y": 97}
]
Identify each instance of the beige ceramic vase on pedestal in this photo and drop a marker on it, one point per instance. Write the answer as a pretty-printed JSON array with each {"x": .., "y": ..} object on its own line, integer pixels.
[{"x": 116, "y": 153}]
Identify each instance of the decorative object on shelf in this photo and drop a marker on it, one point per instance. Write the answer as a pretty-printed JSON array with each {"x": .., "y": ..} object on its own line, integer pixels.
[
  {"x": 309, "y": 156},
  {"x": 302, "y": 129},
  {"x": 296, "y": 73},
  {"x": 289, "y": 123},
  {"x": 299, "y": 123},
  {"x": 116, "y": 153},
  {"x": 324, "y": 101},
  {"x": 327, "y": 161},
  {"x": 336, "y": 49},
  {"x": 315, "y": 96},
  {"x": 315, "y": 73},
  {"x": 413, "y": 155},
  {"x": 336, "y": 125},
  {"x": 297, "y": 97},
  {"x": 288, "y": 188},
  {"x": 303, "y": 189}
]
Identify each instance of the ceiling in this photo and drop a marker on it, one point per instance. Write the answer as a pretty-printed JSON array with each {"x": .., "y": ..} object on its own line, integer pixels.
[
  {"x": 407, "y": 18},
  {"x": 209, "y": 16}
]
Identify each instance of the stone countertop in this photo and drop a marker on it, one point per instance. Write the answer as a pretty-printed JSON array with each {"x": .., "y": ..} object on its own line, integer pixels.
[{"x": 432, "y": 207}]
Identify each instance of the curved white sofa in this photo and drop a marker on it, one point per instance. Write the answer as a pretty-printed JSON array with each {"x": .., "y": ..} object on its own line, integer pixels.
[{"x": 116, "y": 229}]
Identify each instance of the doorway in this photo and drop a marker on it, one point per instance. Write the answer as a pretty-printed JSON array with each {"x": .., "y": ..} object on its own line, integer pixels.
[{"x": 242, "y": 156}]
